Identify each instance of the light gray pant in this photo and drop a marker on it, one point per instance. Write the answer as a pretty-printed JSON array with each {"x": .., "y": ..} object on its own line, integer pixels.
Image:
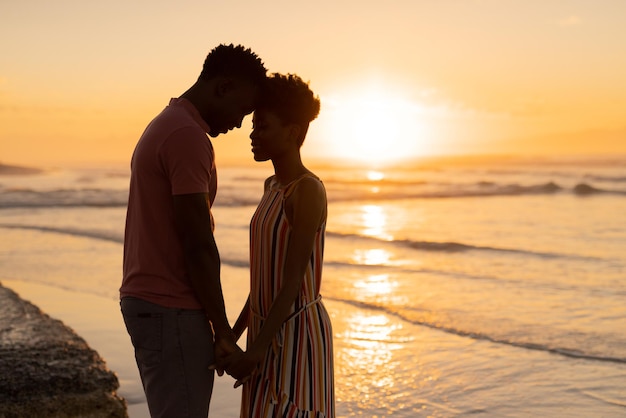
[{"x": 173, "y": 349}]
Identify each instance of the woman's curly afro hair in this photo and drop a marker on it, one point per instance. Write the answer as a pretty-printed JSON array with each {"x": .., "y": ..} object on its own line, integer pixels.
[{"x": 289, "y": 98}]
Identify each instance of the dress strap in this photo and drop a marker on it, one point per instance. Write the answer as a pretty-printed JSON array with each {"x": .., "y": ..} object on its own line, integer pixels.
[
  {"x": 315, "y": 301},
  {"x": 289, "y": 188}
]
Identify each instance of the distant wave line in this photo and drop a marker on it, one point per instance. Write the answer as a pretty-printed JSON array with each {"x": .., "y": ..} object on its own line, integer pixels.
[
  {"x": 91, "y": 197},
  {"x": 53, "y": 204},
  {"x": 119, "y": 239},
  {"x": 479, "y": 336},
  {"x": 484, "y": 189},
  {"x": 428, "y": 246},
  {"x": 455, "y": 275},
  {"x": 452, "y": 247},
  {"x": 100, "y": 235},
  {"x": 419, "y": 245},
  {"x": 613, "y": 179},
  {"x": 229, "y": 197}
]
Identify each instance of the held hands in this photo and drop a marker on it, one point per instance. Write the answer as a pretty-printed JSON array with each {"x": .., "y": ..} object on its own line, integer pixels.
[
  {"x": 241, "y": 365},
  {"x": 224, "y": 347},
  {"x": 237, "y": 363}
]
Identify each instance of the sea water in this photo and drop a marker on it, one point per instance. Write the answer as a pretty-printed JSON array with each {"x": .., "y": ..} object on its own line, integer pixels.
[{"x": 457, "y": 287}]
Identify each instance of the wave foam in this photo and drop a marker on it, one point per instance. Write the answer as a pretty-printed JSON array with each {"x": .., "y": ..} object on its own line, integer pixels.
[{"x": 537, "y": 346}]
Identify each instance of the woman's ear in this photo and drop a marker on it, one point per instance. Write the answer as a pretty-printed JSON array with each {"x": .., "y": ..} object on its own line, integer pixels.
[{"x": 294, "y": 133}]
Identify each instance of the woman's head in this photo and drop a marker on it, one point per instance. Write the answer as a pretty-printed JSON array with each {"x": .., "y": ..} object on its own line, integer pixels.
[
  {"x": 291, "y": 99},
  {"x": 281, "y": 120}
]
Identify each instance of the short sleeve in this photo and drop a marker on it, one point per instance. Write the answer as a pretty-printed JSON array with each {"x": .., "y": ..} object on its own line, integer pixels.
[{"x": 188, "y": 159}]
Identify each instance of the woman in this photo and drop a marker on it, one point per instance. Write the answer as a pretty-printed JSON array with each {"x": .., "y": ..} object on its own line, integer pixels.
[{"x": 288, "y": 365}]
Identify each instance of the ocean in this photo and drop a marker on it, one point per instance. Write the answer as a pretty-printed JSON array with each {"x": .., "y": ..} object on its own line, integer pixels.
[{"x": 483, "y": 286}]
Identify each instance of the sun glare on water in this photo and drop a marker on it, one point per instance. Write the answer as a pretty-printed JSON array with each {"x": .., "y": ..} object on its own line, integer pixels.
[{"x": 375, "y": 126}]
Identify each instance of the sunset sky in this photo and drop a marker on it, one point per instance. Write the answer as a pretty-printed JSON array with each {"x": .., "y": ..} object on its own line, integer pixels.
[{"x": 79, "y": 80}]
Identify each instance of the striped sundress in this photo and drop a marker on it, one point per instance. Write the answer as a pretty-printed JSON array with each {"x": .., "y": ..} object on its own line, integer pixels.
[{"x": 296, "y": 377}]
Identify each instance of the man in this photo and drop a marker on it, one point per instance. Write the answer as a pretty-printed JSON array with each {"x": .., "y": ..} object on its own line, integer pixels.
[{"x": 171, "y": 284}]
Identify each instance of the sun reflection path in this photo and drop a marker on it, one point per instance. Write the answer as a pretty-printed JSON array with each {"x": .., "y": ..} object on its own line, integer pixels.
[
  {"x": 372, "y": 361},
  {"x": 374, "y": 221},
  {"x": 372, "y": 344},
  {"x": 380, "y": 365},
  {"x": 372, "y": 257},
  {"x": 377, "y": 284},
  {"x": 374, "y": 175},
  {"x": 379, "y": 288}
]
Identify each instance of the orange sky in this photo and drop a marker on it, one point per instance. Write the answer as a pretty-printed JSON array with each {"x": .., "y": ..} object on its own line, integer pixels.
[{"x": 79, "y": 80}]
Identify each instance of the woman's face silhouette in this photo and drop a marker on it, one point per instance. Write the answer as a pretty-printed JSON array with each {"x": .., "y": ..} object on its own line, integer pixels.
[{"x": 271, "y": 138}]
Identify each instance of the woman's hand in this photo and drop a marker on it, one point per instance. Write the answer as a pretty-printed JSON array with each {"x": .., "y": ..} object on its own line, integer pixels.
[
  {"x": 224, "y": 348},
  {"x": 241, "y": 365}
]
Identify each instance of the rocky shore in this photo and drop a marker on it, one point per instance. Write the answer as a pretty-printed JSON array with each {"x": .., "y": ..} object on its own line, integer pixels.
[{"x": 46, "y": 370}]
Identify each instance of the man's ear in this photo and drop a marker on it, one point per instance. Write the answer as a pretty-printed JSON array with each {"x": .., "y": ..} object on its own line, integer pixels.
[{"x": 223, "y": 86}]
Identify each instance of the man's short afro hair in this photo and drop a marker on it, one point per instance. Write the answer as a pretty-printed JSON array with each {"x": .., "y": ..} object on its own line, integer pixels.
[{"x": 236, "y": 61}]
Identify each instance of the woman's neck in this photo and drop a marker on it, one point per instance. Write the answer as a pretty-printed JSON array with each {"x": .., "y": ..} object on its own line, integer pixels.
[{"x": 288, "y": 168}]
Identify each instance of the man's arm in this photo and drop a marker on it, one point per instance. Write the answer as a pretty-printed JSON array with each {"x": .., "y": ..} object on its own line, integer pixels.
[{"x": 191, "y": 212}]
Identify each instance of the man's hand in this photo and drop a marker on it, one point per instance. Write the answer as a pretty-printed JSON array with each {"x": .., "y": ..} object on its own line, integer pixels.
[
  {"x": 224, "y": 348},
  {"x": 241, "y": 365}
]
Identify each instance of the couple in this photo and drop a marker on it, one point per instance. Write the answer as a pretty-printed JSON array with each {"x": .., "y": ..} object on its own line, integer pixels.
[{"x": 171, "y": 297}]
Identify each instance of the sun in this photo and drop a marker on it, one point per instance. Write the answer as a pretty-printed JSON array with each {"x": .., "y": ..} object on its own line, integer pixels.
[{"x": 372, "y": 125}]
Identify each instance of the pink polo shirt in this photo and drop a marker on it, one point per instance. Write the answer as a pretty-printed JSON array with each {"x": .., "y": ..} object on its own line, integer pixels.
[{"x": 173, "y": 156}]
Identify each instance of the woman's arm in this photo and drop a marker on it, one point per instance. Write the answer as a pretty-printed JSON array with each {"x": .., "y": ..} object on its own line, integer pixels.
[
  {"x": 306, "y": 209},
  {"x": 242, "y": 321}
]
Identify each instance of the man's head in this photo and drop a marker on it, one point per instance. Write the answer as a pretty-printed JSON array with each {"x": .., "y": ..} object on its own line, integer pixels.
[
  {"x": 228, "y": 87},
  {"x": 284, "y": 110}
]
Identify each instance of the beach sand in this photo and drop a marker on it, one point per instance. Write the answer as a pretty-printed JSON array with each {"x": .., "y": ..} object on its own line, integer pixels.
[{"x": 99, "y": 322}]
